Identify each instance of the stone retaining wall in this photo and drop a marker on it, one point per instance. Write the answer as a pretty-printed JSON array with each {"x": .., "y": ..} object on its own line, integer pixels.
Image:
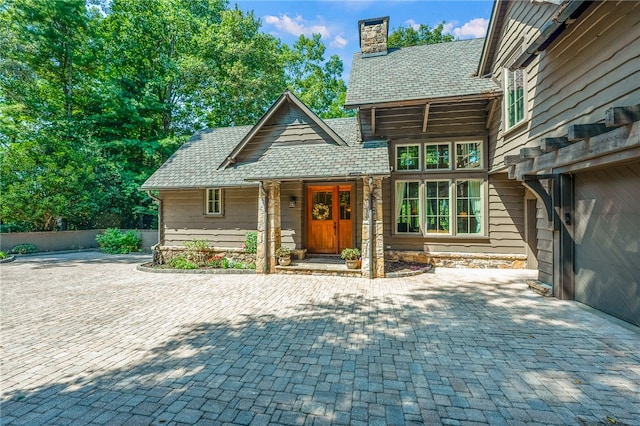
[
  {"x": 461, "y": 260},
  {"x": 163, "y": 254}
]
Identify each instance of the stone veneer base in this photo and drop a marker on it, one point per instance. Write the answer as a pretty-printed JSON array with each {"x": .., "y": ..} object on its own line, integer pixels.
[{"x": 460, "y": 260}]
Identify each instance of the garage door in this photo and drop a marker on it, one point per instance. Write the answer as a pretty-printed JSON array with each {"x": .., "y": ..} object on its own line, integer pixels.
[{"x": 607, "y": 237}]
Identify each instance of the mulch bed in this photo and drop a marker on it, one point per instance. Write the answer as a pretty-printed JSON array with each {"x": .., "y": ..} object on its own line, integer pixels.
[{"x": 399, "y": 266}]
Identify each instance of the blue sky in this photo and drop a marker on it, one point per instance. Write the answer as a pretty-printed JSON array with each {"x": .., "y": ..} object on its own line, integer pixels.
[{"x": 337, "y": 21}]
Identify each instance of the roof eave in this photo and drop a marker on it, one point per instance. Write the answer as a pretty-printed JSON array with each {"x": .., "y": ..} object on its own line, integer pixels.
[{"x": 439, "y": 100}]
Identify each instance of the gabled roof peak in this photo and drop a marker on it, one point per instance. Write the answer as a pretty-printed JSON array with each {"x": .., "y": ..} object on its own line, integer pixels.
[{"x": 287, "y": 97}]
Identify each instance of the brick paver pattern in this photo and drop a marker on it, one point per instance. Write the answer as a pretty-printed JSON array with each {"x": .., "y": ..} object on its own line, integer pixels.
[{"x": 88, "y": 339}]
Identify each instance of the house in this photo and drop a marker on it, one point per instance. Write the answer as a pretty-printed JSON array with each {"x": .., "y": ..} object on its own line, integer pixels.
[
  {"x": 568, "y": 130},
  {"x": 407, "y": 178},
  {"x": 520, "y": 149}
]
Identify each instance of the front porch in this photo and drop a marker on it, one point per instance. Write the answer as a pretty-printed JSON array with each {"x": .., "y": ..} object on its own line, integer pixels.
[{"x": 359, "y": 222}]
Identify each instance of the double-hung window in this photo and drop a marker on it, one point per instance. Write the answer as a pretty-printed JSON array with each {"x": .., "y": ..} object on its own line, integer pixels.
[
  {"x": 213, "y": 201},
  {"x": 514, "y": 97},
  {"x": 447, "y": 197}
]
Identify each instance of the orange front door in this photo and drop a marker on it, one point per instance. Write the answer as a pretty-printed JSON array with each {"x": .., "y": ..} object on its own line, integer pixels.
[{"x": 329, "y": 225}]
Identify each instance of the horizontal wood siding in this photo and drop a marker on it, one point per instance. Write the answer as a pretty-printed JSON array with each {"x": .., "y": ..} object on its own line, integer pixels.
[
  {"x": 506, "y": 223},
  {"x": 292, "y": 219},
  {"x": 592, "y": 66},
  {"x": 184, "y": 218}
]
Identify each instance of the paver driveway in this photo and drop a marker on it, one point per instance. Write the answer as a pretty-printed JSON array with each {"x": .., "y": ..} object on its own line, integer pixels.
[{"x": 88, "y": 339}]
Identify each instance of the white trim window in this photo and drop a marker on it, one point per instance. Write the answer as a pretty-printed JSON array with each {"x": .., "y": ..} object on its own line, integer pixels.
[
  {"x": 469, "y": 155},
  {"x": 514, "y": 97},
  {"x": 213, "y": 201},
  {"x": 469, "y": 206},
  {"x": 441, "y": 207},
  {"x": 408, "y": 157},
  {"x": 437, "y": 206},
  {"x": 436, "y": 156},
  {"x": 407, "y": 208}
]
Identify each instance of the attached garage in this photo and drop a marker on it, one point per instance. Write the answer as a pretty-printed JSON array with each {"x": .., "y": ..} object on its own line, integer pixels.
[{"x": 607, "y": 240}]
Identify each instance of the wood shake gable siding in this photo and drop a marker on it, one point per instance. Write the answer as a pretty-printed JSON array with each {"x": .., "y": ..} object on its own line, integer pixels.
[
  {"x": 288, "y": 126},
  {"x": 184, "y": 218}
]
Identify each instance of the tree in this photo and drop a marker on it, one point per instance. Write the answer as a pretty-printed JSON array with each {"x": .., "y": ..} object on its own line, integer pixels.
[
  {"x": 96, "y": 94},
  {"x": 409, "y": 36},
  {"x": 317, "y": 83}
]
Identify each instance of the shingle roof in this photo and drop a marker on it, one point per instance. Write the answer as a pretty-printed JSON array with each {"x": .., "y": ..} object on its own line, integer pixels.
[
  {"x": 418, "y": 72},
  {"x": 195, "y": 164}
]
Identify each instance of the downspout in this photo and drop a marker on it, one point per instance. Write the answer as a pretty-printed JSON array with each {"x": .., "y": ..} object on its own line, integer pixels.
[
  {"x": 265, "y": 222},
  {"x": 159, "y": 201},
  {"x": 371, "y": 228}
]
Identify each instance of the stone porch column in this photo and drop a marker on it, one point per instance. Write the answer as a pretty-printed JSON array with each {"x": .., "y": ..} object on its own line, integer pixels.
[
  {"x": 372, "y": 236},
  {"x": 261, "y": 246},
  {"x": 274, "y": 237}
]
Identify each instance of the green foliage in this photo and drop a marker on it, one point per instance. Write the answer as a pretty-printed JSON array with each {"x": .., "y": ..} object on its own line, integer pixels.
[
  {"x": 283, "y": 252},
  {"x": 11, "y": 227},
  {"x": 116, "y": 242},
  {"x": 3, "y": 255},
  {"x": 316, "y": 82},
  {"x": 350, "y": 254},
  {"x": 409, "y": 36},
  {"x": 251, "y": 242},
  {"x": 24, "y": 249},
  {"x": 197, "y": 251},
  {"x": 197, "y": 245},
  {"x": 180, "y": 262},
  {"x": 93, "y": 100}
]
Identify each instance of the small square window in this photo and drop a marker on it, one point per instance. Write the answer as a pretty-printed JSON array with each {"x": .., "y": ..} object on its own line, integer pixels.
[
  {"x": 436, "y": 156},
  {"x": 213, "y": 201},
  {"x": 408, "y": 157},
  {"x": 469, "y": 155}
]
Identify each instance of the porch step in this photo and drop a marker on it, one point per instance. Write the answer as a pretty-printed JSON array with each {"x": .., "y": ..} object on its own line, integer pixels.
[{"x": 319, "y": 265}]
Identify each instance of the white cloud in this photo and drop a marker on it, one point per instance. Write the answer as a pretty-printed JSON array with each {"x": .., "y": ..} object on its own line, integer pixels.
[
  {"x": 473, "y": 29},
  {"x": 296, "y": 26},
  {"x": 339, "y": 42},
  {"x": 413, "y": 24}
]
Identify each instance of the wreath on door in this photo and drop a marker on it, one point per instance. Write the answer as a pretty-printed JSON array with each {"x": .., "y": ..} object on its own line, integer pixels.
[{"x": 321, "y": 211}]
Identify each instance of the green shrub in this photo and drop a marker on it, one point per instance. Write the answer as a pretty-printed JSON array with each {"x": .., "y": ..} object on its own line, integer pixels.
[
  {"x": 24, "y": 249},
  {"x": 224, "y": 263},
  {"x": 197, "y": 251},
  {"x": 197, "y": 245},
  {"x": 6, "y": 228},
  {"x": 251, "y": 242},
  {"x": 3, "y": 255},
  {"x": 179, "y": 262},
  {"x": 115, "y": 242}
]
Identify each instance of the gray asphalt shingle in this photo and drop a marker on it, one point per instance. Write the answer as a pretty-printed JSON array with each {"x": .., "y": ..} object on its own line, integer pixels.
[
  {"x": 418, "y": 72},
  {"x": 195, "y": 164}
]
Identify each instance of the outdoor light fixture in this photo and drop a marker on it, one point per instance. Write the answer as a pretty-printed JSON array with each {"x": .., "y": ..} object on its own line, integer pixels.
[{"x": 292, "y": 202}]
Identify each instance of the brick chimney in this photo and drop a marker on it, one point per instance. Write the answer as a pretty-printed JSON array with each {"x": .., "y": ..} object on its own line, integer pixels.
[{"x": 373, "y": 36}]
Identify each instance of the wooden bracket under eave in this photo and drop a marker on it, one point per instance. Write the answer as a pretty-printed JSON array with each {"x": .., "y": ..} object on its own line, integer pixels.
[
  {"x": 373, "y": 120},
  {"x": 425, "y": 119}
]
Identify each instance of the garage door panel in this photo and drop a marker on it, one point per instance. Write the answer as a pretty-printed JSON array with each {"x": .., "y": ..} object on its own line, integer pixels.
[{"x": 607, "y": 241}]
